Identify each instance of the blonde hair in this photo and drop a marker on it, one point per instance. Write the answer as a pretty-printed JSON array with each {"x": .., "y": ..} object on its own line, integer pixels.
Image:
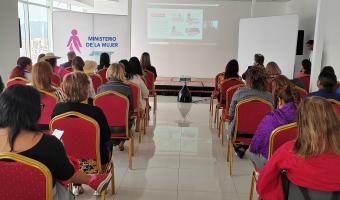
[
  {"x": 116, "y": 71},
  {"x": 318, "y": 128},
  {"x": 42, "y": 73},
  {"x": 76, "y": 87},
  {"x": 90, "y": 66},
  {"x": 145, "y": 60},
  {"x": 273, "y": 70}
]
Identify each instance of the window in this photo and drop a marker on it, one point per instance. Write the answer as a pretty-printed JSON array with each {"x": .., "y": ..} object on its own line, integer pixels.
[
  {"x": 38, "y": 30},
  {"x": 24, "y": 35}
]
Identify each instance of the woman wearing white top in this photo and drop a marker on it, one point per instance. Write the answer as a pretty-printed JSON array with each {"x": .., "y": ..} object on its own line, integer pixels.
[{"x": 131, "y": 75}]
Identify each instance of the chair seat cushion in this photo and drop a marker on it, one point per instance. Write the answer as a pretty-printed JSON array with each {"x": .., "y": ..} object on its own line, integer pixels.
[{"x": 118, "y": 135}]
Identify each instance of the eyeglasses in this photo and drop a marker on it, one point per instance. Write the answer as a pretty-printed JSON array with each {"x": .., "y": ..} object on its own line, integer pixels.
[{"x": 42, "y": 106}]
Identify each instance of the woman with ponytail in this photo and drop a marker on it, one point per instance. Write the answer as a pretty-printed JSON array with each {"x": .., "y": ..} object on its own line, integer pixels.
[
  {"x": 24, "y": 65},
  {"x": 286, "y": 100}
]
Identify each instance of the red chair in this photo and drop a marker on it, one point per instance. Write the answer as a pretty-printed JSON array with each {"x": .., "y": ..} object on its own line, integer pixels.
[
  {"x": 96, "y": 81},
  {"x": 69, "y": 69},
  {"x": 278, "y": 137},
  {"x": 48, "y": 101},
  {"x": 225, "y": 111},
  {"x": 224, "y": 86},
  {"x": 302, "y": 92},
  {"x": 56, "y": 80},
  {"x": 306, "y": 82},
  {"x": 16, "y": 80},
  {"x": 248, "y": 114},
  {"x": 150, "y": 84},
  {"x": 116, "y": 109},
  {"x": 336, "y": 105},
  {"x": 218, "y": 79},
  {"x": 24, "y": 179},
  {"x": 138, "y": 113},
  {"x": 81, "y": 138},
  {"x": 102, "y": 73}
]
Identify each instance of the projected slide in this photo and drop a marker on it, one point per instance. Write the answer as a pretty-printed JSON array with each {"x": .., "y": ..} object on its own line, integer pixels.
[{"x": 185, "y": 24}]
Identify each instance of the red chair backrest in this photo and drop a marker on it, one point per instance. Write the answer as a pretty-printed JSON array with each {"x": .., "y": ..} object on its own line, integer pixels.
[
  {"x": 102, "y": 73},
  {"x": 306, "y": 82},
  {"x": 336, "y": 105},
  {"x": 281, "y": 135},
  {"x": 248, "y": 114},
  {"x": 149, "y": 80},
  {"x": 48, "y": 101},
  {"x": 69, "y": 69},
  {"x": 96, "y": 81},
  {"x": 24, "y": 178},
  {"x": 81, "y": 135},
  {"x": 56, "y": 80},
  {"x": 302, "y": 92},
  {"x": 229, "y": 95},
  {"x": 115, "y": 107},
  {"x": 226, "y": 84},
  {"x": 16, "y": 80},
  {"x": 135, "y": 94}
]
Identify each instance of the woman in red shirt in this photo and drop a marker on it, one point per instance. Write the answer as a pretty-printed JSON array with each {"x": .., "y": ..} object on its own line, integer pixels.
[
  {"x": 24, "y": 65},
  {"x": 313, "y": 160}
]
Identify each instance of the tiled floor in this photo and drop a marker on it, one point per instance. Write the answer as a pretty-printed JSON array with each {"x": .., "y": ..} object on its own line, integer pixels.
[{"x": 180, "y": 158}]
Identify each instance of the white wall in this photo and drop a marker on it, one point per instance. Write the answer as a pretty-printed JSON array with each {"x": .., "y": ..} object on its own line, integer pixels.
[
  {"x": 110, "y": 7},
  {"x": 9, "y": 32},
  {"x": 197, "y": 60},
  {"x": 306, "y": 9},
  {"x": 331, "y": 42}
]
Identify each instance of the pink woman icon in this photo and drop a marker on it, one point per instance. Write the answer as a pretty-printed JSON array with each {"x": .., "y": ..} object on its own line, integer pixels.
[{"x": 74, "y": 41}]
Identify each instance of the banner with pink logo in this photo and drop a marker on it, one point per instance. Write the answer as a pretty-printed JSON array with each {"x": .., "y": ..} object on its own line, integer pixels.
[{"x": 88, "y": 35}]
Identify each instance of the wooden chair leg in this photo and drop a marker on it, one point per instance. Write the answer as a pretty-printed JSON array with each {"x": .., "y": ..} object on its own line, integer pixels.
[
  {"x": 228, "y": 150},
  {"x": 222, "y": 131},
  {"x": 130, "y": 152},
  {"x": 218, "y": 115},
  {"x": 215, "y": 117},
  {"x": 102, "y": 195},
  {"x": 252, "y": 182},
  {"x": 230, "y": 160},
  {"x": 211, "y": 101},
  {"x": 155, "y": 103},
  {"x": 113, "y": 186},
  {"x": 140, "y": 136},
  {"x": 212, "y": 107},
  {"x": 138, "y": 128},
  {"x": 133, "y": 145}
]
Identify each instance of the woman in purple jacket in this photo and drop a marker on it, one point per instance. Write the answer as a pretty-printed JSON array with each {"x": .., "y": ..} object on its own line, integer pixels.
[{"x": 286, "y": 101}]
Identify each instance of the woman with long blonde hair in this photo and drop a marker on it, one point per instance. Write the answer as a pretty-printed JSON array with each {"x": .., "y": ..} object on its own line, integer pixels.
[
  {"x": 146, "y": 64},
  {"x": 115, "y": 75},
  {"x": 313, "y": 160}
]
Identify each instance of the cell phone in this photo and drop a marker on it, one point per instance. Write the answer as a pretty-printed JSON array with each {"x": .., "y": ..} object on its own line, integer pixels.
[{"x": 58, "y": 133}]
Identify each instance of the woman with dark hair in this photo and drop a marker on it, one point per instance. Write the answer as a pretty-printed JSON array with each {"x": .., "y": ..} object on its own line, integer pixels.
[
  {"x": 20, "y": 111},
  {"x": 231, "y": 70},
  {"x": 312, "y": 160},
  {"x": 24, "y": 65},
  {"x": 2, "y": 86},
  {"x": 256, "y": 86},
  {"x": 131, "y": 75},
  {"x": 286, "y": 101},
  {"x": 136, "y": 66},
  {"x": 104, "y": 61},
  {"x": 146, "y": 64}
]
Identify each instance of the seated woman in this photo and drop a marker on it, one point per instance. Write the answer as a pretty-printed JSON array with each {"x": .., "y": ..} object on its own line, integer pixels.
[
  {"x": 52, "y": 59},
  {"x": 90, "y": 67},
  {"x": 131, "y": 75},
  {"x": 287, "y": 101},
  {"x": 312, "y": 161},
  {"x": 42, "y": 80},
  {"x": 231, "y": 71},
  {"x": 78, "y": 66},
  {"x": 76, "y": 86},
  {"x": 19, "y": 114},
  {"x": 256, "y": 82},
  {"x": 24, "y": 65},
  {"x": 146, "y": 64},
  {"x": 272, "y": 70},
  {"x": 115, "y": 75}
]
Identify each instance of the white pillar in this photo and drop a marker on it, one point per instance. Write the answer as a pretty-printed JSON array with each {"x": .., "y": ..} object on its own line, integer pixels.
[
  {"x": 252, "y": 9},
  {"x": 318, "y": 44},
  {"x": 9, "y": 32}
]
